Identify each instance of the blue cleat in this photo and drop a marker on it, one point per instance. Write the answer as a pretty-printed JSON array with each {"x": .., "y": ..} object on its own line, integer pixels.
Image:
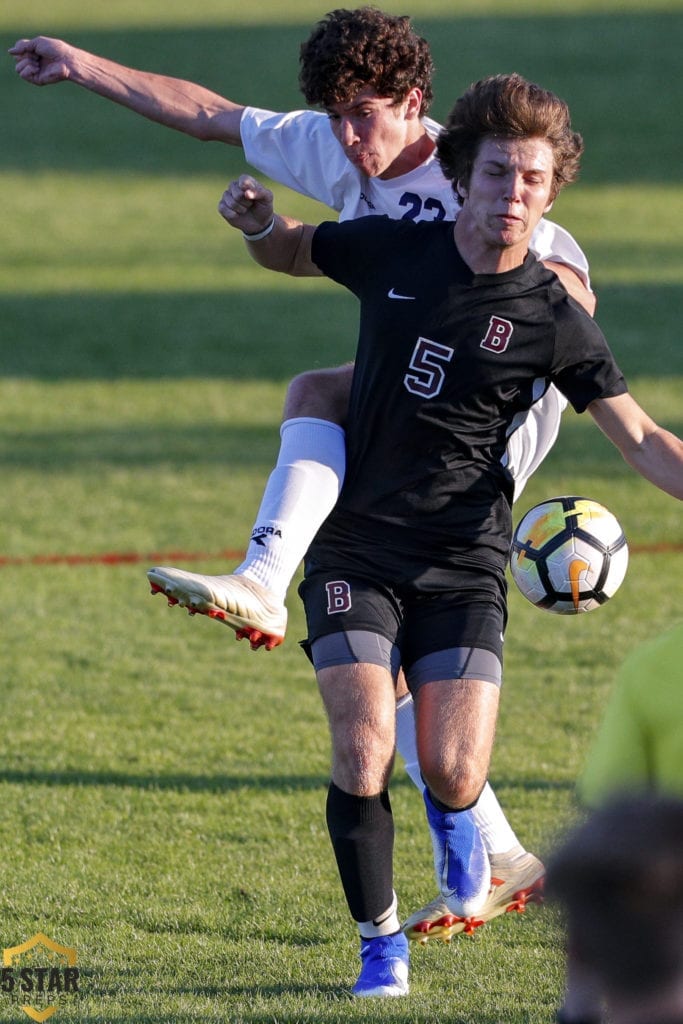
[
  {"x": 384, "y": 970},
  {"x": 463, "y": 872}
]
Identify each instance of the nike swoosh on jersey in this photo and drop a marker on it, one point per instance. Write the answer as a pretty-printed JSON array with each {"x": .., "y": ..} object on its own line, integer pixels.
[{"x": 395, "y": 295}]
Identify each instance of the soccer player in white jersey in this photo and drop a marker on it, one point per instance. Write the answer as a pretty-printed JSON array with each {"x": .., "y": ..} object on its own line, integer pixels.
[{"x": 371, "y": 151}]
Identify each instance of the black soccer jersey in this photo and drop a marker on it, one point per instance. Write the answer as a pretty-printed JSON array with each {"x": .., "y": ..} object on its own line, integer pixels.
[{"x": 446, "y": 361}]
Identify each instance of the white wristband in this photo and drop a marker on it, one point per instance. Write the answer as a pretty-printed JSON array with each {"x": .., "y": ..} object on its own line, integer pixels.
[{"x": 259, "y": 234}]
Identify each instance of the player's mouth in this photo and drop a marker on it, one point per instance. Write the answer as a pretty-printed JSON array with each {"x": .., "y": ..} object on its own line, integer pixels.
[
  {"x": 508, "y": 223},
  {"x": 359, "y": 158},
  {"x": 509, "y": 218}
]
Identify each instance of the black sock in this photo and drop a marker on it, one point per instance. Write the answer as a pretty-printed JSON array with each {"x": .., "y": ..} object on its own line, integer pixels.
[{"x": 362, "y": 832}]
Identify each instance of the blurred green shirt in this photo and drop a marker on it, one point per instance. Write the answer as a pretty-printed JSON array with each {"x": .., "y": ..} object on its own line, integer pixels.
[{"x": 639, "y": 744}]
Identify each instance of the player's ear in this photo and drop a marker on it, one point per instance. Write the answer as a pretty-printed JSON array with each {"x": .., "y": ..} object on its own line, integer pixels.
[
  {"x": 549, "y": 206},
  {"x": 413, "y": 102},
  {"x": 461, "y": 190}
]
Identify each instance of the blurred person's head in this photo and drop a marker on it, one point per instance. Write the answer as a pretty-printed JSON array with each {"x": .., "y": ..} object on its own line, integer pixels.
[{"x": 619, "y": 879}]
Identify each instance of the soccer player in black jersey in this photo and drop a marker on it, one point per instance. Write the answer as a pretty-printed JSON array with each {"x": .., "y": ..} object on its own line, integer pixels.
[{"x": 460, "y": 329}]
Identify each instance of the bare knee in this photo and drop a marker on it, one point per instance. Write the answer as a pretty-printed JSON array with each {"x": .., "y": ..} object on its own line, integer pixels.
[
  {"x": 456, "y": 724},
  {"x": 363, "y": 750},
  {"x": 322, "y": 394},
  {"x": 363, "y": 764},
  {"x": 456, "y": 785},
  {"x": 360, "y": 706}
]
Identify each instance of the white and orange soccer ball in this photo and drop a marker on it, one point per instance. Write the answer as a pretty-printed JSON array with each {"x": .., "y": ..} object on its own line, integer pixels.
[{"x": 568, "y": 555}]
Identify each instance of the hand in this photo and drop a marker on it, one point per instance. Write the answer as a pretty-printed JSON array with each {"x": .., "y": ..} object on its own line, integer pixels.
[
  {"x": 42, "y": 61},
  {"x": 247, "y": 205}
]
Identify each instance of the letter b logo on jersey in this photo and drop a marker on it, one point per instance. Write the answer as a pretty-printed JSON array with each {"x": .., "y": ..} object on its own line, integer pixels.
[
  {"x": 498, "y": 335},
  {"x": 338, "y": 597}
]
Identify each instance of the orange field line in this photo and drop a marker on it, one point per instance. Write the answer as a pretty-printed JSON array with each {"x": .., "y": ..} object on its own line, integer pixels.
[{"x": 178, "y": 557}]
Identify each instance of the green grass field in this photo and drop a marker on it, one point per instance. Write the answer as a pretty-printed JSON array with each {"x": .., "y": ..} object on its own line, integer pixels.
[{"x": 161, "y": 787}]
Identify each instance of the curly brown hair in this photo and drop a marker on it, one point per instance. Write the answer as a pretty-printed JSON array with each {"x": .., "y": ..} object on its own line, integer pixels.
[
  {"x": 508, "y": 106},
  {"x": 349, "y": 50}
]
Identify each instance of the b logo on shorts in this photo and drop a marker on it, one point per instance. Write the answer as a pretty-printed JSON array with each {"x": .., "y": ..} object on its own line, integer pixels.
[
  {"x": 338, "y": 597},
  {"x": 498, "y": 335}
]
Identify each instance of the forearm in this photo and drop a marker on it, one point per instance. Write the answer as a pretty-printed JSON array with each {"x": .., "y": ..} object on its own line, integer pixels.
[
  {"x": 273, "y": 241},
  {"x": 287, "y": 248},
  {"x": 173, "y": 102},
  {"x": 659, "y": 458},
  {"x": 652, "y": 451}
]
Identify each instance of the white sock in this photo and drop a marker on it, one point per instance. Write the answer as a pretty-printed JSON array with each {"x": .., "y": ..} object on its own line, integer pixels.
[
  {"x": 406, "y": 742},
  {"x": 386, "y": 924},
  {"x": 496, "y": 831},
  {"x": 300, "y": 493}
]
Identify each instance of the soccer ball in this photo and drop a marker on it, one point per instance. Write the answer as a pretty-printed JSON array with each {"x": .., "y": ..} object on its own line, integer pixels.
[{"x": 568, "y": 555}]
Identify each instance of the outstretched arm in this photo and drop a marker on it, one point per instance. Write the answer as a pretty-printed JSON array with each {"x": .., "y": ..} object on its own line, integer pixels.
[
  {"x": 655, "y": 453},
  {"x": 276, "y": 242},
  {"x": 172, "y": 102}
]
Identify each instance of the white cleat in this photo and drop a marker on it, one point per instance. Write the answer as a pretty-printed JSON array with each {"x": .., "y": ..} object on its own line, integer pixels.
[
  {"x": 515, "y": 882},
  {"x": 247, "y": 607}
]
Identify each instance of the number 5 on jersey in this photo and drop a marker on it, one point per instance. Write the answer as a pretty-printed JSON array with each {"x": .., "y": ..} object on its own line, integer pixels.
[{"x": 426, "y": 362}]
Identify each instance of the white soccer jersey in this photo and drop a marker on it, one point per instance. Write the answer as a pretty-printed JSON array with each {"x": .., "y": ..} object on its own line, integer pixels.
[{"x": 299, "y": 150}]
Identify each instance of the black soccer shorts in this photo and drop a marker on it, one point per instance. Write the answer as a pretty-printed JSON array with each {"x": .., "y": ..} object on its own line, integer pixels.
[{"x": 454, "y": 633}]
